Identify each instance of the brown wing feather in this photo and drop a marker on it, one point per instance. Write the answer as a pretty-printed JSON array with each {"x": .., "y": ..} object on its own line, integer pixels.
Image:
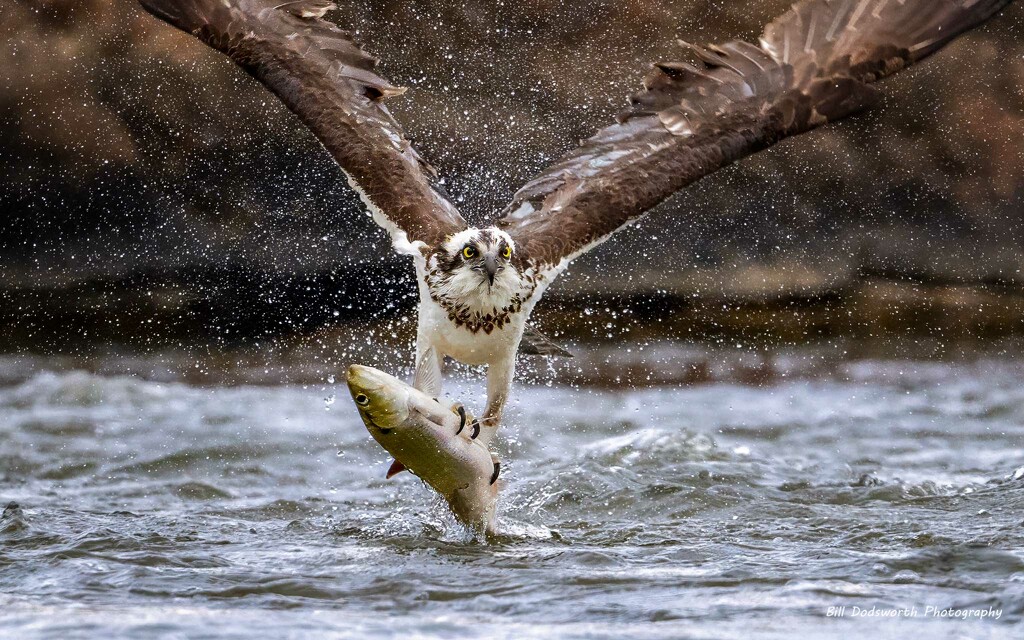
[
  {"x": 815, "y": 65},
  {"x": 329, "y": 82}
]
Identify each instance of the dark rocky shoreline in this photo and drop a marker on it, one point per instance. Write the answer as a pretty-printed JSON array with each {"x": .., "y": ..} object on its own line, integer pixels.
[{"x": 313, "y": 328}]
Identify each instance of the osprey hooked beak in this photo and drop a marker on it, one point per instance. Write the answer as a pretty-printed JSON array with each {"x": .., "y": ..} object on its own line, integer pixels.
[{"x": 490, "y": 267}]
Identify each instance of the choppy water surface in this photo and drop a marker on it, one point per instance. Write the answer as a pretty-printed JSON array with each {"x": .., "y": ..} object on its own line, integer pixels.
[{"x": 152, "y": 509}]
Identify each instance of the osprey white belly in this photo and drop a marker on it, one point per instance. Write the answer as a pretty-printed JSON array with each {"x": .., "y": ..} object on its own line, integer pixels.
[{"x": 463, "y": 344}]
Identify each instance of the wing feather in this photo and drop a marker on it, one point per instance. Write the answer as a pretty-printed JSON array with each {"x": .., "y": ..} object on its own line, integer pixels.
[
  {"x": 317, "y": 70},
  {"x": 815, "y": 64}
]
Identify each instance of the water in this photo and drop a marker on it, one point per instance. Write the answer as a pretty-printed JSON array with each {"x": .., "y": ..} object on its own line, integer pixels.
[{"x": 159, "y": 509}]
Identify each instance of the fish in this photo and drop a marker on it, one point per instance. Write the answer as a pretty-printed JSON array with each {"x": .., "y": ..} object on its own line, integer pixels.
[{"x": 437, "y": 443}]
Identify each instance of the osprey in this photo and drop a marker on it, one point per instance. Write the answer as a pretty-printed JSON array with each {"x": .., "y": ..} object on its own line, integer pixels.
[{"x": 815, "y": 64}]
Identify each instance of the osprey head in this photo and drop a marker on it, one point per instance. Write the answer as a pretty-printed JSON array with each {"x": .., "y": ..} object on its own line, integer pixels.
[
  {"x": 484, "y": 255},
  {"x": 474, "y": 276}
]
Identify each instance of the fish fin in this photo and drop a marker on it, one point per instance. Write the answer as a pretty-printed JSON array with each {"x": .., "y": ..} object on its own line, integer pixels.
[
  {"x": 395, "y": 468},
  {"x": 535, "y": 343}
]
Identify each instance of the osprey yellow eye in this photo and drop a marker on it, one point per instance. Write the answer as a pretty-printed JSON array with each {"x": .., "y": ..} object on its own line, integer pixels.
[
  {"x": 468, "y": 252},
  {"x": 507, "y": 252},
  {"x": 362, "y": 400}
]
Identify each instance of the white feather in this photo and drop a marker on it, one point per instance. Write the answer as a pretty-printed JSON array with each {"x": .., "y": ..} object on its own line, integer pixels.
[{"x": 399, "y": 239}]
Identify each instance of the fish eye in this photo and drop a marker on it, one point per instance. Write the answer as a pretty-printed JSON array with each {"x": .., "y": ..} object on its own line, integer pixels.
[
  {"x": 506, "y": 252},
  {"x": 468, "y": 252},
  {"x": 362, "y": 400}
]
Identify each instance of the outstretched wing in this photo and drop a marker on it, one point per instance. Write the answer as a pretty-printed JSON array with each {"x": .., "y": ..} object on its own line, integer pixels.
[
  {"x": 329, "y": 82},
  {"x": 815, "y": 64}
]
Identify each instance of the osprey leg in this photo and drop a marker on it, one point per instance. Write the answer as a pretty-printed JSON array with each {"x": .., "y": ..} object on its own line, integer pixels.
[{"x": 499, "y": 381}]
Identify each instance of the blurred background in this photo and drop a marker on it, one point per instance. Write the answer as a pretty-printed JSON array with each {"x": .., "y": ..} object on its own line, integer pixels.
[{"x": 156, "y": 200}]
